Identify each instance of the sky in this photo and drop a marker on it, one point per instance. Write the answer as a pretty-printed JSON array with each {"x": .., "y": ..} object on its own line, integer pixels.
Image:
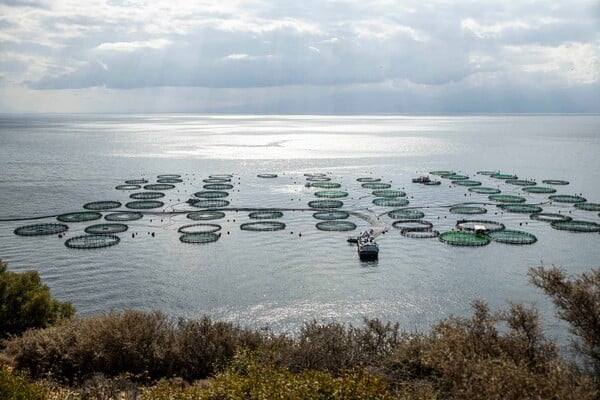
[{"x": 300, "y": 57}]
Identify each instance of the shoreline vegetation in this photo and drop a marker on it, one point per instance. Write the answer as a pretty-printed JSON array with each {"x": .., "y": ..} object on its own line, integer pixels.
[{"x": 47, "y": 352}]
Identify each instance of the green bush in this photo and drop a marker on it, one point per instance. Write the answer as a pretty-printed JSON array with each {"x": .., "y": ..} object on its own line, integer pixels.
[
  {"x": 26, "y": 303},
  {"x": 16, "y": 386}
]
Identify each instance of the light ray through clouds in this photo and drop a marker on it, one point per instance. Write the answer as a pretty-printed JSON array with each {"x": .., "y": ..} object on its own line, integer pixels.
[{"x": 299, "y": 57}]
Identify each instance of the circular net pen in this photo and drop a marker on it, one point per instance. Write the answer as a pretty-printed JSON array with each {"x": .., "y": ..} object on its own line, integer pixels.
[
  {"x": 376, "y": 185},
  {"x": 262, "y": 226},
  {"x": 209, "y": 203},
  {"x": 216, "y": 180},
  {"x": 124, "y": 216},
  {"x": 326, "y": 185},
  {"x": 144, "y": 204},
  {"x": 484, "y": 190},
  {"x": 146, "y": 195},
  {"x": 199, "y": 238},
  {"x": 318, "y": 179},
  {"x": 205, "y": 215},
  {"x": 576, "y": 226},
  {"x": 406, "y": 213},
  {"x": 319, "y": 204},
  {"x": 265, "y": 214},
  {"x": 507, "y": 198},
  {"x": 169, "y": 176},
  {"x": 441, "y": 172},
  {"x": 211, "y": 194},
  {"x": 512, "y": 237},
  {"x": 199, "y": 228},
  {"x": 504, "y": 176},
  {"x": 41, "y": 229},
  {"x": 102, "y": 205},
  {"x": 558, "y": 182},
  {"x": 467, "y": 182},
  {"x": 82, "y": 216},
  {"x": 419, "y": 234},
  {"x": 315, "y": 174},
  {"x": 487, "y": 173},
  {"x": 128, "y": 187},
  {"x": 159, "y": 186},
  {"x": 336, "y": 226},
  {"x": 539, "y": 189},
  {"x": 564, "y": 198},
  {"x": 267, "y": 176},
  {"x": 390, "y": 201},
  {"x": 588, "y": 206},
  {"x": 414, "y": 224},
  {"x": 221, "y": 176},
  {"x": 136, "y": 181},
  {"x": 474, "y": 225},
  {"x": 388, "y": 193},
  {"x": 455, "y": 177},
  {"x": 330, "y": 215},
  {"x": 520, "y": 182},
  {"x": 106, "y": 229},
  {"x": 331, "y": 194},
  {"x": 169, "y": 180},
  {"x": 218, "y": 186},
  {"x": 468, "y": 210},
  {"x": 521, "y": 208},
  {"x": 368, "y": 179},
  {"x": 463, "y": 239},
  {"x": 92, "y": 241},
  {"x": 549, "y": 217}
]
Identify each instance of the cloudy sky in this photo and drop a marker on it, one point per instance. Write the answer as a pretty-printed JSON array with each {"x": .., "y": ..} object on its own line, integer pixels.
[{"x": 309, "y": 56}]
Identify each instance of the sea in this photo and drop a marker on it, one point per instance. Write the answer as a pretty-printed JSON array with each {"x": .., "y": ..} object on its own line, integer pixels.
[{"x": 54, "y": 164}]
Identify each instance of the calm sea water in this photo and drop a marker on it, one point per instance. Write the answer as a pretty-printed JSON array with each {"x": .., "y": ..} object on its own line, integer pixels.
[{"x": 55, "y": 164}]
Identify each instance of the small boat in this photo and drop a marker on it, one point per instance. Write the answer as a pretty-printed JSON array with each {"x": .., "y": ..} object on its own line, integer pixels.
[
  {"x": 426, "y": 180},
  {"x": 352, "y": 239},
  {"x": 368, "y": 249}
]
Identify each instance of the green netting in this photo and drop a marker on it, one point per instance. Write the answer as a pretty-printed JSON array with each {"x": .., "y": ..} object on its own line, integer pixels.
[
  {"x": 102, "y": 205},
  {"x": 376, "y": 185},
  {"x": 331, "y": 194},
  {"x": 335, "y": 225},
  {"x": 92, "y": 241},
  {"x": 550, "y": 217},
  {"x": 144, "y": 204},
  {"x": 216, "y": 180},
  {"x": 199, "y": 228},
  {"x": 504, "y": 176},
  {"x": 520, "y": 182},
  {"x": 199, "y": 238},
  {"x": 146, "y": 195},
  {"x": 315, "y": 174},
  {"x": 390, "y": 201},
  {"x": 267, "y": 175},
  {"x": 588, "y": 206},
  {"x": 507, "y": 198},
  {"x": 464, "y": 239},
  {"x": 555, "y": 182},
  {"x": 539, "y": 189},
  {"x": 136, "y": 182},
  {"x": 488, "y": 173},
  {"x": 124, "y": 216},
  {"x": 576, "y": 226},
  {"x": 455, "y": 177},
  {"x": 128, "y": 187},
  {"x": 472, "y": 225},
  {"x": 209, "y": 203},
  {"x": 512, "y": 237},
  {"x": 484, "y": 190},
  {"x": 467, "y": 210},
  {"x": 168, "y": 176},
  {"x": 318, "y": 179},
  {"x": 413, "y": 224},
  {"x": 218, "y": 186},
  {"x": 205, "y": 215},
  {"x": 325, "y": 204},
  {"x": 419, "y": 234},
  {"x": 41, "y": 229},
  {"x": 325, "y": 185},
  {"x": 159, "y": 186},
  {"x": 221, "y": 176},
  {"x": 441, "y": 172},
  {"x": 521, "y": 208},
  {"x": 211, "y": 194},
  {"x": 406, "y": 213},
  {"x": 563, "y": 198},
  {"x": 368, "y": 179},
  {"x": 329, "y": 215},
  {"x": 262, "y": 226},
  {"x": 169, "y": 180},
  {"x": 81, "y": 216},
  {"x": 388, "y": 193},
  {"x": 265, "y": 214},
  {"x": 106, "y": 229},
  {"x": 467, "y": 182}
]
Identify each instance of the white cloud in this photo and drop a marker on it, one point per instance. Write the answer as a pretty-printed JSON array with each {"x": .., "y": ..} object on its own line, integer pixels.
[{"x": 134, "y": 46}]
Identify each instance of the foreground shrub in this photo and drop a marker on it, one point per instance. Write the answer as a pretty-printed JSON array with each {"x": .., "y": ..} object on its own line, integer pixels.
[
  {"x": 16, "y": 386},
  {"x": 26, "y": 303}
]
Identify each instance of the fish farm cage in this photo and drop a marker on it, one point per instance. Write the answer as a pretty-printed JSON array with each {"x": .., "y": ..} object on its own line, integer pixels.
[
  {"x": 124, "y": 216},
  {"x": 102, "y": 205},
  {"x": 159, "y": 186},
  {"x": 319, "y": 204},
  {"x": 331, "y": 194},
  {"x": 205, "y": 215},
  {"x": 326, "y": 185},
  {"x": 144, "y": 204},
  {"x": 391, "y": 201},
  {"x": 484, "y": 190},
  {"x": 459, "y": 238},
  {"x": 406, "y": 213},
  {"x": 549, "y": 217},
  {"x": 472, "y": 225},
  {"x": 539, "y": 189},
  {"x": 81, "y": 216},
  {"x": 200, "y": 237},
  {"x": 211, "y": 194},
  {"x": 41, "y": 229},
  {"x": 563, "y": 198},
  {"x": 512, "y": 237},
  {"x": 271, "y": 214},
  {"x": 208, "y": 203},
  {"x": 199, "y": 228},
  {"x": 576, "y": 226},
  {"x": 507, "y": 198},
  {"x": 92, "y": 241},
  {"x": 331, "y": 215},
  {"x": 106, "y": 229},
  {"x": 262, "y": 226},
  {"x": 336, "y": 225},
  {"x": 468, "y": 210},
  {"x": 267, "y": 176},
  {"x": 147, "y": 195},
  {"x": 521, "y": 208},
  {"x": 376, "y": 185}
]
